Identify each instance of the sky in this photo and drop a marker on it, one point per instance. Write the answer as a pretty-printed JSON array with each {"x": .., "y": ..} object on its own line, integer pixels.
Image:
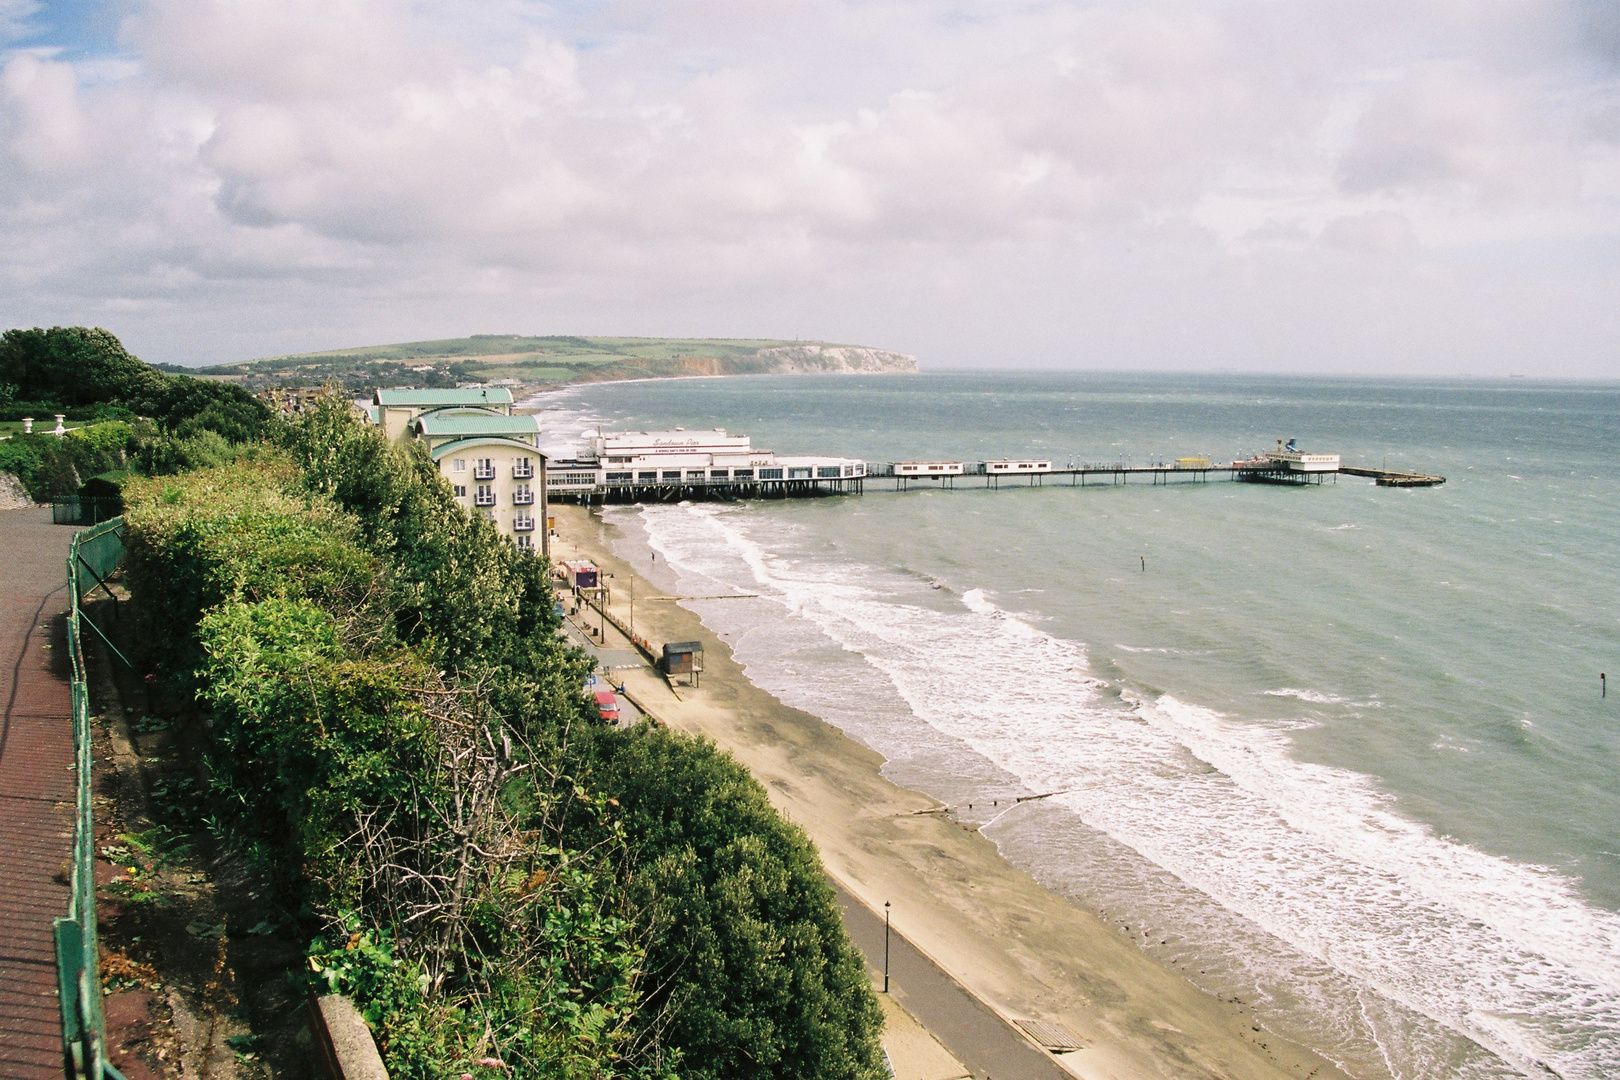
[{"x": 1424, "y": 187}]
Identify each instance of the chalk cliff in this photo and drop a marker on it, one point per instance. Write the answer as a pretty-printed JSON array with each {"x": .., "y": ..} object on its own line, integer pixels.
[{"x": 811, "y": 359}]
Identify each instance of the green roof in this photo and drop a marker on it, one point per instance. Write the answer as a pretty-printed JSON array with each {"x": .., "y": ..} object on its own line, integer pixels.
[
  {"x": 478, "y": 396},
  {"x": 459, "y": 425},
  {"x": 445, "y": 449}
]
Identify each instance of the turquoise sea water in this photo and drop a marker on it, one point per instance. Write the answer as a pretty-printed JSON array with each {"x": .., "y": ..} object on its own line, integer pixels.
[{"x": 1337, "y": 751}]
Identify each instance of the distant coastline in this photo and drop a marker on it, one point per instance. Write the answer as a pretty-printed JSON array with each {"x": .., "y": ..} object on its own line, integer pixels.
[{"x": 530, "y": 365}]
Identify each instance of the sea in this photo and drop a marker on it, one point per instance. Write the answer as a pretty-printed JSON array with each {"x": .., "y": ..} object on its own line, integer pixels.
[{"x": 1340, "y": 752}]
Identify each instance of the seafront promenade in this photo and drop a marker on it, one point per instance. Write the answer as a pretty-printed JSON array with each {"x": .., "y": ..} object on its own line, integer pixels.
[{"x": 36, "y": 788}]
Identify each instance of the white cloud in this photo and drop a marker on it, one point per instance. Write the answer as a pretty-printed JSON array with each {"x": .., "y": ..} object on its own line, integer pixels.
[{"x": 1106, "y": 183}]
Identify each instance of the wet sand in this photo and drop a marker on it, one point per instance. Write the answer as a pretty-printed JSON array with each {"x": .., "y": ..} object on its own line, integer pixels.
[{"x": 1021, "y": 949}]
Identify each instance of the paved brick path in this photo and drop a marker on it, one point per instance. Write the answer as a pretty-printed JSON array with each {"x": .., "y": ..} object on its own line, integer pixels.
[{"x": 36, "y": 787}]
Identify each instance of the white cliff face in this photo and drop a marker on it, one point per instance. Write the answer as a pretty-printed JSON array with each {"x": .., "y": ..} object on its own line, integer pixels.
[{"x": 835, "y": 360}]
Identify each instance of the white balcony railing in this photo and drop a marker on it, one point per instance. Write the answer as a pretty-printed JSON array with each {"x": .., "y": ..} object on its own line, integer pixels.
[
  {"x": 483, "y": 472},
  {"x": 523, "y": 524},
  {"x": 522, "y": 498},
  {"x": 484, "y": 498},
  {"x": 521, "y": 471}
]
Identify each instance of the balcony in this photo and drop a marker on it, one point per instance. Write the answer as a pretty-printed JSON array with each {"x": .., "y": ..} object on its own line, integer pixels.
[
  {"x": 483, "y": 472},
  {"x": 523, "y": 471},
  {"x": 523, "y": 524},
  {"x": 522, "y": 498},
  {"x": 484, "y": 498}
]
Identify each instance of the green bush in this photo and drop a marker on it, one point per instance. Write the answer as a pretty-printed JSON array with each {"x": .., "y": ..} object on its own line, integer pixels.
[
  {"x": 50, "y": 465},
  {"x": 202, "y": 539},
  {"x": 757, "y": 976},
  {"x": 401, "y": 736}
]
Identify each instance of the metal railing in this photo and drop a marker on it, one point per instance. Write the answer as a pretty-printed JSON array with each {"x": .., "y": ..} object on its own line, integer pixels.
[{"x": 92, "y": 556}]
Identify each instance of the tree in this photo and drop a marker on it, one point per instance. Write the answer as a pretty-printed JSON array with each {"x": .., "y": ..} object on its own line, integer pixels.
[
  {"x": 71, "y": 366},
  {"x": 756, "y": 978}
]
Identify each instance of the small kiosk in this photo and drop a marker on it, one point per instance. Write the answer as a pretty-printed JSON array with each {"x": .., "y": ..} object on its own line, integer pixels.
[{"x": 684, "y": 658}]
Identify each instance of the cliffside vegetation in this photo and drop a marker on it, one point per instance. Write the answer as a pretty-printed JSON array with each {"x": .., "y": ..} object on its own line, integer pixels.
[
  {"x": 400, "y": 741},
  {"x": 142, "y": 418}
]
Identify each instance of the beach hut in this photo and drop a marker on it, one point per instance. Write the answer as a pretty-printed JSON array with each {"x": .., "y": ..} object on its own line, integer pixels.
[{"x": 684, "y": 658}]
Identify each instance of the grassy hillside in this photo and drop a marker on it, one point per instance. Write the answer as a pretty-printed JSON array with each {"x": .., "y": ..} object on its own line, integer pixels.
[{"x": 532, "y": 361}]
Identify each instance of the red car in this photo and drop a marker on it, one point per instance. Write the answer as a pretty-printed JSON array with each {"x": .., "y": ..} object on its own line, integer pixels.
[{"x": 607, "y": 705}]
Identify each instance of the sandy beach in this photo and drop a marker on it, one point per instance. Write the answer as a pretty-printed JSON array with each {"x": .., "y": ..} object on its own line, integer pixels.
[{"x": 1024, "y": 951}]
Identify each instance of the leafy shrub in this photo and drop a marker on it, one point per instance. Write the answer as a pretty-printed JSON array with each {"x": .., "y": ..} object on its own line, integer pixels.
[
  {"x": 49, "y": 465},
  {"x": 757, "y": 976},
  {"x": 400, "y": 734}
]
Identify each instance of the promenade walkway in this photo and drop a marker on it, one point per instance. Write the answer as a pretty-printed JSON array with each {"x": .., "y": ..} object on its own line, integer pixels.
[{"x": 36, "y": 787}]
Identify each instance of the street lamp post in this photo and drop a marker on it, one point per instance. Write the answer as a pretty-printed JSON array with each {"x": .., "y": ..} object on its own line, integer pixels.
[{"x": 885, "y": 946}]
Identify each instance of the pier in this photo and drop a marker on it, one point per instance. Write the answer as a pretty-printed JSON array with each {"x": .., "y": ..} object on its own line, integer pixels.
[
  {"x": 1100, "y": 475},
  {"x": 681, "y": 465},
  {"x": 1395, "y": 478}
]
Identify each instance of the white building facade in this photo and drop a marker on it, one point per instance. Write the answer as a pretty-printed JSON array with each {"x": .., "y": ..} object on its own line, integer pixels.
[{"x": 662, "y": 464}]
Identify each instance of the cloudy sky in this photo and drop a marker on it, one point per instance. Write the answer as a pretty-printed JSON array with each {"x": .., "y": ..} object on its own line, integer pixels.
[{"x": 1410, "y": 186}]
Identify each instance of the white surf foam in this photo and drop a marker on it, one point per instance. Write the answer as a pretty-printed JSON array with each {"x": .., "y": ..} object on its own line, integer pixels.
[
  {"x": 1316, "y": 697},
  {"x": 1505, "y": 954}
]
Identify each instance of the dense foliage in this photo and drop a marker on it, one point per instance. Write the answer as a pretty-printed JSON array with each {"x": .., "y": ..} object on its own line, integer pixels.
[
  {"x": 74, "y": 368},
  {"x": 401, "y": 738},
  {"x": 47, "y": 465}
]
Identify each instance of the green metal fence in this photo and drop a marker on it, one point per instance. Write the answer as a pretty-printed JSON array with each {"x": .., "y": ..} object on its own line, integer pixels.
[
  {"x": 85, "y": 509},
  {"x": 92, "y": 557}
]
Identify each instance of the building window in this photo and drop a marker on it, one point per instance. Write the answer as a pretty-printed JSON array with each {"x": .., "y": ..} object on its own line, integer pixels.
[
  {"x": 459, "y": 465},
  {"x": 523, "y": 469},
  {"x": 484, "y": 469},
  {"x": 672, "y": 474},
  {"x": 484, "y": 496},
  {"x": 799, "y": 474},
  {"x": 827, "y": 472},
  {"x": 461, "y": 490},
  {"x": 649, "y": 474},
  {"x": 618, "y": 477},
  {"x": 719, "y": 474},
  {"x": 770, "y": 474},
  {"x": 525, "y": 542},
  {"x": 743, "y": 474}
]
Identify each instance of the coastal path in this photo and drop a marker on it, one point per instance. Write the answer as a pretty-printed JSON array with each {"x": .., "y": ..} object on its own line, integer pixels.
[
  {"x": 963, "y": 1024},
  {"x": 36, "y": 788}
]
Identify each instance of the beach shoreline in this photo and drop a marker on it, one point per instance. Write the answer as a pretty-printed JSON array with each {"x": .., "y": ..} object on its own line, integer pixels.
[{"x": 1024, "y": 951}]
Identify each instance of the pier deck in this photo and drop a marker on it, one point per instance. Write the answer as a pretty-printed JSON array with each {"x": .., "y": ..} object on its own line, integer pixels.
[
  {"x": 1107, "y": 474},
  {"x": 1395, "y": 478},
  {"x": 972, "y": 475}
]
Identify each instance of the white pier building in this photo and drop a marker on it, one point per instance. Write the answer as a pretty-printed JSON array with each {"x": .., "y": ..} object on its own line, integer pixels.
[
  {"x": 1295, "y": 460},
  {"x": 635, "y": 466}
]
